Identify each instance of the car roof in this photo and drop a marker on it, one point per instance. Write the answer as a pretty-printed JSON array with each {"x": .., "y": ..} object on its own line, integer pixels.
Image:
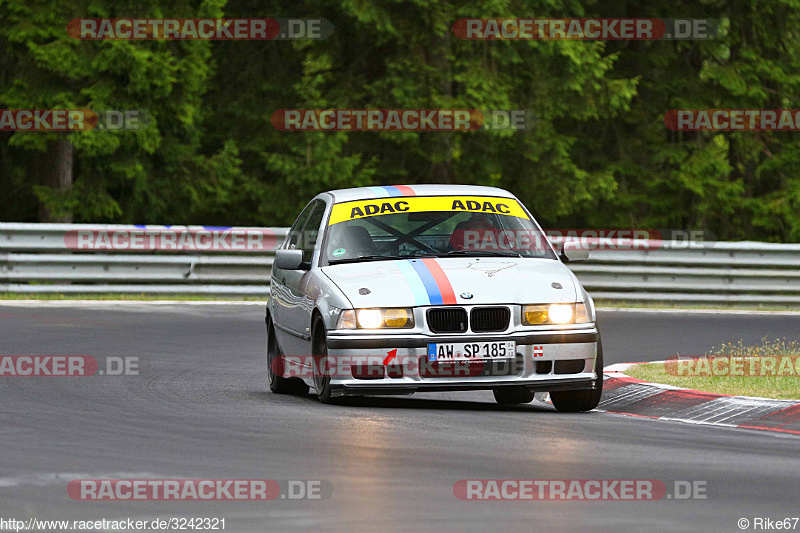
[{"x": 388, "y": 191}]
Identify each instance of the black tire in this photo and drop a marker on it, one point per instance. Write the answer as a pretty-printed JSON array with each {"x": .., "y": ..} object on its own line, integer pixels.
[
  {"x": 576, "y": 401},
  {"x": 319, "y": 349},
  {"x": 277, "y": 383},
  {"x": 512, "y": 395}
]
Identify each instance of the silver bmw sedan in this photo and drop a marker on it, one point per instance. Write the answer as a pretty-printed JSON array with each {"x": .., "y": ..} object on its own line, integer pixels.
[{"x": 399, "y": 289}]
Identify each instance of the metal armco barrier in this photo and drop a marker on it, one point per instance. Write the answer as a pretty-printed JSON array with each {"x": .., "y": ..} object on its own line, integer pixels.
[
  {"x": 710, "y": 272},
  {"x": 89, "y": 258}
]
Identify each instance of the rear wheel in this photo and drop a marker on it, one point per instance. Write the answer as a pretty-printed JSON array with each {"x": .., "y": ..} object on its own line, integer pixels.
[
  {"x": 582, "y": 400},
  {"x": 512, "y": 395},
  {"x": 319, "y": 349},
  {"x": 277, "y": 383}
]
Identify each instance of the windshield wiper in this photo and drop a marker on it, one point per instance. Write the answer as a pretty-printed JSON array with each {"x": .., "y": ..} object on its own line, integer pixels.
[
  {"x": 482, "y": 253},
  {"x": 421, "y": 253},
  {"x": 364, "y": 258}
]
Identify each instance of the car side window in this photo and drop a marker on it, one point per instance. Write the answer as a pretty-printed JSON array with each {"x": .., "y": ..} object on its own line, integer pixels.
[
  {"x": 311, "y": 230},
  {"x": 294, "y": 238}
]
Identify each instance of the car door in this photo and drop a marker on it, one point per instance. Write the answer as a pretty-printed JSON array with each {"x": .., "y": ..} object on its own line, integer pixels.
[
  {"x": 293, "y": 307},
  {"x": 280, "y": 294}
]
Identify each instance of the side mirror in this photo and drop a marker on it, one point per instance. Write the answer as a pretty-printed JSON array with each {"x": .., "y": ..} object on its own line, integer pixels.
[
  {"x": 572, "y": 251},
  {"x": 289, "y": 260}
]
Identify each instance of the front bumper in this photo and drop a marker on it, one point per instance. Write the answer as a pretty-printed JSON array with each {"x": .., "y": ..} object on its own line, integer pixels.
[{"x": 545, "y": 361}]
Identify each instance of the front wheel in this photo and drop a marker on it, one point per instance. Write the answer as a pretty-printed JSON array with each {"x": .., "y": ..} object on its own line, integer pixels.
[
  {"x": 512, "y": 395},
  {"x": 277, "y": 383},
  {"x": 576, "y": 401},
  {"x": 319, "y": 349}
]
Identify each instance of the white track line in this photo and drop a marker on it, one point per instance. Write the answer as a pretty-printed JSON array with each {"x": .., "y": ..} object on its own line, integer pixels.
[{"x": 618, "y": 371}]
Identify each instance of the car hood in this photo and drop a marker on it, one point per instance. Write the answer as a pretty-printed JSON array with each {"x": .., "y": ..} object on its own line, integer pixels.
[{"x": 490, "y": 280}]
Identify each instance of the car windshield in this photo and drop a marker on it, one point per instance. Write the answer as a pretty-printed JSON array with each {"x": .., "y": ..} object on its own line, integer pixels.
[{"x": 440, "y": 226}]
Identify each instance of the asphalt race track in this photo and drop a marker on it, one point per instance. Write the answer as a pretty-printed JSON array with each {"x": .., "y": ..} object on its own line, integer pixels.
[{"x": 200, "y": 408}]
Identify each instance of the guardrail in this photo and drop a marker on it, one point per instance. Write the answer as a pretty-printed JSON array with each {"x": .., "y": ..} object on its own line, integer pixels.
[
  {"x": 88, "y": 258},
  {"x": 710, "y": 272}
]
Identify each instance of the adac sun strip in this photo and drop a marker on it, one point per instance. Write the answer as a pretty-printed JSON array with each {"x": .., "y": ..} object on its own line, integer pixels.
[{"x": 413, "y": 204}]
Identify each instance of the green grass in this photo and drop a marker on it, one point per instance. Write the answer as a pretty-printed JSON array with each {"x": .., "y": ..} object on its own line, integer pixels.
[
  {"x": 781, "y": 387},
  {"x": 126, "y": 296}
]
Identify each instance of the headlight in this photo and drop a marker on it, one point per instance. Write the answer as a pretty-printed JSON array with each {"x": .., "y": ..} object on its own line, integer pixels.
[
  {"x": 370, "y": 318},
  {"x": 581, "y": 314},
  {"x": 560, "y": 313},
  {"x": 347, "y": 320},
  {"x": 535, "y": 315},
  {"x": 398, "y": 318},
  {"x": 376, "y": 318}
]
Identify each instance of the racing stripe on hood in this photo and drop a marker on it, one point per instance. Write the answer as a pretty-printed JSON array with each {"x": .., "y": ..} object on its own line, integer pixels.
[
  {"x": 434, "y": 280},
  {"x": 414, "y": 281},
  {"x": 448, "y": 296},
  {"x": 434, "y": 294}
]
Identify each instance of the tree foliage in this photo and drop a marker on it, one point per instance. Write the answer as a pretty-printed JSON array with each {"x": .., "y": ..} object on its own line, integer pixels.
[{"x": 599, "y": 154}]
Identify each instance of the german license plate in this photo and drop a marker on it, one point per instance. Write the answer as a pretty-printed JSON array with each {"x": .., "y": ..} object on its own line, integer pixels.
[{"x": 471, "y": 351}]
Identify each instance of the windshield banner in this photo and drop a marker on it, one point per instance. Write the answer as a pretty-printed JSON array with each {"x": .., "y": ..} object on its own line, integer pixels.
[{"x": 414, "y": 204}]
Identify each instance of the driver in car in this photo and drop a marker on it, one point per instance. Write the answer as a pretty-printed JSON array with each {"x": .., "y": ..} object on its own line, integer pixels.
[{"x": 472, "y": 234}]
